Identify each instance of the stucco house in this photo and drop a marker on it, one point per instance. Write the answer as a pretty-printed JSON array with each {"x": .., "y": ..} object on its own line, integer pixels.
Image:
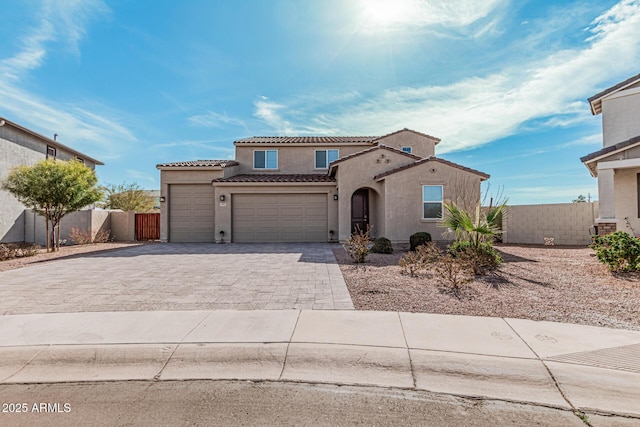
[
  {"x": 313, "y": 189},
  {"x": 617, "y": 164},
  {"x": 21, "y": 146}
]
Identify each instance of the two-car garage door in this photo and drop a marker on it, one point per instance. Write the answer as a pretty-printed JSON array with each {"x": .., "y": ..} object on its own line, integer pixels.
[{"x": 279, "y": 217}]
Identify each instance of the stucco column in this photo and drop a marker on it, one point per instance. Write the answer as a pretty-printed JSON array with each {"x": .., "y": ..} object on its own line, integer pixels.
[{"x": 606, "y": 195}]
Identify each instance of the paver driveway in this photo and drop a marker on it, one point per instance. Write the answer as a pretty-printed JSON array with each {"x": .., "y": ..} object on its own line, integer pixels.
[{"x": 181, "y": 276}]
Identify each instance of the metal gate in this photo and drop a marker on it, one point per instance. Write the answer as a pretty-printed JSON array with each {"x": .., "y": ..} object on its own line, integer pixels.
[{"x": 147, "y": 226}]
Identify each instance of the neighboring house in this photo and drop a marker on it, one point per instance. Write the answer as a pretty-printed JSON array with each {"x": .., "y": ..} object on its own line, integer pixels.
[
  {"x": 314, "y": 189},
  {"x": 617, "y": 164},
  {"x": 21, "y": 146}
]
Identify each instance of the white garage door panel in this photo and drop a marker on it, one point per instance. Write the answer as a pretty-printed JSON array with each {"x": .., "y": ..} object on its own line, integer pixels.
[
  {"x": 191, "y": 213},
  {"x": 279, "y": 217}
]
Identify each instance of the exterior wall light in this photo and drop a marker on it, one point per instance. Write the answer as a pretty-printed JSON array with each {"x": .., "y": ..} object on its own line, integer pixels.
[
  {"x": 335, "y": 197},
  {"x": 222, "y": 197},
  {"x": 221, "y": 236},
  {"x": 163, "y": 199}
]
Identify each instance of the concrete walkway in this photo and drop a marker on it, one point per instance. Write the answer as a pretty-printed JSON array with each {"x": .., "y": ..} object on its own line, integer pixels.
[
  {"x": 181, "y": 276},
  {"x": 570, "y": 367}
]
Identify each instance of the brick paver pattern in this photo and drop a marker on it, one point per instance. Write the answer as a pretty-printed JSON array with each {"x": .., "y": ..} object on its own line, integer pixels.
[{"x": 181, "y": 276}]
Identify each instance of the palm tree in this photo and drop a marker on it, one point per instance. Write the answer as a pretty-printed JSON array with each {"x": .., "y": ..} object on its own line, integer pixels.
[{"x": 479, "y": 228}]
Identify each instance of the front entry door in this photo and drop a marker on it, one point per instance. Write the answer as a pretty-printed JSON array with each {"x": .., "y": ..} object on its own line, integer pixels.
[{"x": 360, "y": 210}]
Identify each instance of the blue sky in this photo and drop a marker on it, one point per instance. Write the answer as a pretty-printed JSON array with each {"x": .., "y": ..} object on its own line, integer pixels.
[{"x": 502, "y": 83}]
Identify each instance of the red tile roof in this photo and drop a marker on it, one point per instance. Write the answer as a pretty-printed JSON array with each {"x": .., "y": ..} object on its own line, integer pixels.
[
  {"x": 200, "y": 163},
  {"x": 431, "y": 159},
  {"x": 307, "y": 140},
  {"x": 277, "y": 178}
]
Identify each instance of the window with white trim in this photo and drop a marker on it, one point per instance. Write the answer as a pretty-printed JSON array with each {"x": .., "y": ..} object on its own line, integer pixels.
[
  {"x": 431, "y": 201},
  {"x": 324, "y": 157},
  {"x": 406, "y": 149},
  {"x": 265, "y": 159}
]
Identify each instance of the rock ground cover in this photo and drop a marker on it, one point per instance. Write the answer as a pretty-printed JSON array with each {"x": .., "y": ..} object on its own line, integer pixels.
[{"x": 560, "y": 284}]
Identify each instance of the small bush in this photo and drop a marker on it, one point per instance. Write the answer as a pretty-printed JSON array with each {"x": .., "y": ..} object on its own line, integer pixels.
[
  {"x": 422, "y": 258},
  {"x": 358, "y": 245},
  {"x": 455, "y": 271},
  {"x": 382, "y": 245},
  {"x": 482, "y": 258},
  {"x": 17, "y": 250},
  {"x": 85, "y": 236},
  {"x": 418, "y": 239},
  {"x": 618, "y": 251}
]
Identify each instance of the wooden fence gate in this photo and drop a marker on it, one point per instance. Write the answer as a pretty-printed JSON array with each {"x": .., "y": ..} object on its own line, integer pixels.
[{"x": 147, "y": 226}]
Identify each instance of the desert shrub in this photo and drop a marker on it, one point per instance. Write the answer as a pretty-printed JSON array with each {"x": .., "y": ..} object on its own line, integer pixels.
[
  {"x": 358, "y": 245},
  {"x": 618, "y": 251},
  {"x": 418, "y": 239},
  {"x": 17, "y": 250},
  {"x": 85, "y": 236},
  {"x": 481, "y": 257},
  {"x": 455, "y": 271},
  {"x": 382, "y": 245},
  {"x": 422, "y": 258}
]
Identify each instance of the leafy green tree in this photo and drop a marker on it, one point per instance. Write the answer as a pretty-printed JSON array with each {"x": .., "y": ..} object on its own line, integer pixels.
[
  {"x": 127, "y": 197},
  {"x": 580, "y": 199},
  {"x": 53, "y": 188}
]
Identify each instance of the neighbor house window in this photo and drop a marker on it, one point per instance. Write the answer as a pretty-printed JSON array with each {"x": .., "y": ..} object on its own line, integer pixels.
[
  {"x": 265, "y": 159},
  {"x": 406, "y": 149},
  {"x": 324, "y": 157},
  {"x": 80, "y": 159},
  {"x": 431, "y": 201},
  {"x": 51, "y": 152}
]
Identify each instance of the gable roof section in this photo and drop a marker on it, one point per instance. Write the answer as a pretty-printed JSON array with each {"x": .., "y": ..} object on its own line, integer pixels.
[
  {"x": 199, "y": 164},
  {"x": 437, "y": 140},
  {"x": 591, "y": 160},
  {"x": 278, "y": 178},
  {"x": 483, "y": 176},
  {"x": 333, "y": 164},
  {"x": 51, "y": 142},
  {"x": 596, "y": 100},
  {"x": 306, "y": 140}
]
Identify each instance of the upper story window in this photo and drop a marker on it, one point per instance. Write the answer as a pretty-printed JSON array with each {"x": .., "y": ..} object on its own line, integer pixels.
[
  {"x": 80, "y": 159},
  {"x": 431, "y": 201},
  {"x": 265, "y": 159},
  {"x": 51, "y": 152},
  {"x": 324, "y": 157},
  {"x": 406, "y": 149}
]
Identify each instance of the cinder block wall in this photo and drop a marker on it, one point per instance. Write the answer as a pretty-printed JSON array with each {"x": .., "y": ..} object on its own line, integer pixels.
[
  {"x": 566, "y": 223},
  {"x": 94, "y": 220}
]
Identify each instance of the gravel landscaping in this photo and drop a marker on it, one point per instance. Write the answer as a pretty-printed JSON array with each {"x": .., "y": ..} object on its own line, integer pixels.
[
  {"x": 560, "y": 284},
  {"x": 64, "y": 252}
]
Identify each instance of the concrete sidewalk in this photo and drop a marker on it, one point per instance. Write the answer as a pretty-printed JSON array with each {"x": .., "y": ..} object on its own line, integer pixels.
[{"x": 594, "y": 370}]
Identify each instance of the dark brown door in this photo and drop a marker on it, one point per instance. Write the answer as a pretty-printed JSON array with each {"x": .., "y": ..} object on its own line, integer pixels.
[{"x": 360, "y": 210}]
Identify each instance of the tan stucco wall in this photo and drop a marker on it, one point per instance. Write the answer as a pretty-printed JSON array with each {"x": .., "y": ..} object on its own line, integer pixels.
[
  {"x": 123, "y": 226},
  {"x": 224, "y": 209},
  {"x": 621, "y": 116},
  {"x": 292, "y": 159},
  {"x": 420, "y": 145},
  {"x": 403, "y": 198},
  {"x": 626, "y": 199},
  {"x": 359, "y": 172},
  {"x": 632, "y": 153},
  {"x": 186, "y": 176},
  {"x": 566, "y": 223},
  {"x": 94, "y": 220}
]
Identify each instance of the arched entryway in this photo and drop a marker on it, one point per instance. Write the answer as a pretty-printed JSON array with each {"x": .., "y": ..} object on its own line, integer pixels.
[{"x": 360, "y": 210}]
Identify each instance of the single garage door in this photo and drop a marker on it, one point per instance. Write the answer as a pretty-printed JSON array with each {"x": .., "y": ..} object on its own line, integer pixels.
[
  {"x": 279, "y": 218},
  {"x": 191, "y": 213}
]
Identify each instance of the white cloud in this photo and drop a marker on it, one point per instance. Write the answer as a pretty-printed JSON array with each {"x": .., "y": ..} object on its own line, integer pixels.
[
  {"x": 478, "y": 110},
  {"x": 139, "y": 175},
  {"x": 211, "y": 119},
  {"x": 100, "y": 135},
  {"x": 392, "y": 15}
]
